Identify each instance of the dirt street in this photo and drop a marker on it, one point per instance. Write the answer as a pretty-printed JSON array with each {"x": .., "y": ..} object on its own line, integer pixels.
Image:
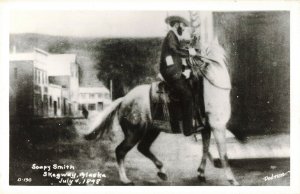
[{"x": 181, "y": 157}]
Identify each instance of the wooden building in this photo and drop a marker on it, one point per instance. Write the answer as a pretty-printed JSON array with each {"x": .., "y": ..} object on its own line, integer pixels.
[{"x": 43, "y": 85}]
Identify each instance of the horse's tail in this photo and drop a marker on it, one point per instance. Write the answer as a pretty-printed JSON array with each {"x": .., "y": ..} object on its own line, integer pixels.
[{"x": 104, "y": 122}]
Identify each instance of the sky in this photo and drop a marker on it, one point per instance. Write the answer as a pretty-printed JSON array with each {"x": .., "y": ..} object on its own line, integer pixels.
[{"x": 92, "y": 23}]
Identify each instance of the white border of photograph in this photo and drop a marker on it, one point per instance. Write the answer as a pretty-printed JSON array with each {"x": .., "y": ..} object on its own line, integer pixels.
[{"x": 292, "y": 6}]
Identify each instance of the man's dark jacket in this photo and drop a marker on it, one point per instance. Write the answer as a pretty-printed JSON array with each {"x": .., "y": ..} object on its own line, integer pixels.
[{"x": 171, "y": 47}]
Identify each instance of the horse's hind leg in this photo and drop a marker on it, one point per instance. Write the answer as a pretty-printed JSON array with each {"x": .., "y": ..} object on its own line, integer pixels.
[
  {"x": 131, "y": 138},
  {"x": 219, "y": 134},
  {"x": 205, "y": 133},
  {"x": 144, "y": 148}
]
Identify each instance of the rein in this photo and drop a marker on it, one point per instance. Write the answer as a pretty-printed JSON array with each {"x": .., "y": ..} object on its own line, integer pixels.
[{"x": 198, "y": 67}]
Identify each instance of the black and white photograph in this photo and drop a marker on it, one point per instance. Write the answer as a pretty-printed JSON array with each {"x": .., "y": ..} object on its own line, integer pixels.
[{"x": 160, "y": 97}]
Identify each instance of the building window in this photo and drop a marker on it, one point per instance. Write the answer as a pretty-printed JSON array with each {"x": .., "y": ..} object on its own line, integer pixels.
[
  {"x": 39, "y": 78},
  {"x": 45, "y": 98},
  {"x": 70, "y": 108},
  {"x": 81, "y": 106},
  {"x": 58, "y": 102},
  {"x": 35, "y": 75},
  {"x": 83, "y": 95},
  {"x": 16, "y": 72},
  {"x": 45, "y": 103},
  {"x": 100, "y": 95},
  {"x": 92, "y": 106},
  {"x": 37, "y": 89},
  {"x": 38, "y": 104},
  {"x": 100, "y": 106},
  {"x": 84, "y": 106},
  {"x": 36, "y": 100},
  {"x": 92, "y": 96}
]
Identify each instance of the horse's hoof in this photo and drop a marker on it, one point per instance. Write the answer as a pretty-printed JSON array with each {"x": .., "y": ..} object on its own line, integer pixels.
[
  {"x": 129, "y": 184},
  {"x": 162, "y": 176},
  {"x": 201, "y": 179},
  {"x": 233, "y": 182},
  {"x": 217, "y": 163},
  {"x": 200, "y": 170}
]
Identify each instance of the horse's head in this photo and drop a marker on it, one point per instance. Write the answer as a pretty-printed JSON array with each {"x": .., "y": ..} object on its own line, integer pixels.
[
  {"x": 211, "y": 63},
  {"x": 211, "y": 50}
]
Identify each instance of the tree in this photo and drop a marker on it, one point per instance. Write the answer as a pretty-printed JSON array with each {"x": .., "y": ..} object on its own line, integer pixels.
[
  {"x": 127, "y": 62},
  {"x": 59, "y": 46}
]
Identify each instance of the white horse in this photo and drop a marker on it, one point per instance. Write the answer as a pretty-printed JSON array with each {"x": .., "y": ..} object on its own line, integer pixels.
[{"x": 133, "y": 114}]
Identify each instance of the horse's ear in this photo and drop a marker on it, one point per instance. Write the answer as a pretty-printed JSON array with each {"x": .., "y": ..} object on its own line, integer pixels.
[{"x": 193, "y": 41}]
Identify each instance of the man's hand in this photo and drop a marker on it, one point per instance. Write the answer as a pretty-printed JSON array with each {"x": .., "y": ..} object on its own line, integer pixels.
[
  {"x": 187, "y": 73},
  {"x": 192, "y": 52}
]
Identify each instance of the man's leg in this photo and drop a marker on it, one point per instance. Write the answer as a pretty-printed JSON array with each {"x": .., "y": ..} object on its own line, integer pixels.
[
  {"x": 174, "y": 118},
  {"x": 199, "y": 101},
  {"x": 183, "y": 89}
]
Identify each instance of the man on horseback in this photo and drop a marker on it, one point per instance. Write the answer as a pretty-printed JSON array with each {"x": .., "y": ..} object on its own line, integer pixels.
[
  {"x": 172, "y": 66},
  {"x": 137, "y": 112}
]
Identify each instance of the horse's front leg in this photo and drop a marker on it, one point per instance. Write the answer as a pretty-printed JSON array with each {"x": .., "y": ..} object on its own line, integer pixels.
[
  {"x": 205, "y": 133},
  {"x": 219, "y": 134}
]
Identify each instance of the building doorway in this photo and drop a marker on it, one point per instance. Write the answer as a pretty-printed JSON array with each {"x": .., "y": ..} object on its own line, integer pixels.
[
  {"x": 65, "y": 107},
  {"x": 55, "y": 108}
]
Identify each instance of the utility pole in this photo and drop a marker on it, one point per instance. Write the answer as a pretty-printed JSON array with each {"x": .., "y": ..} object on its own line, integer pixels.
[
  {"x": 111, "y": 88},
  {"x": 168, "y": 28}
]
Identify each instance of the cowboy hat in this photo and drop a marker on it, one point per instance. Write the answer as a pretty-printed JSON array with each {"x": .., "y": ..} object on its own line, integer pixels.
[{"x": 180, "y": 19}]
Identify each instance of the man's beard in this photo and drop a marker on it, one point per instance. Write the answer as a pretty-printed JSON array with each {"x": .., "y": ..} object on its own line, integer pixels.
[{"x": 179, "y": 30}]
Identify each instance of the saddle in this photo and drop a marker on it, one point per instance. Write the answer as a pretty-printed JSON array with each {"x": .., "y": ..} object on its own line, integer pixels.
[{"x": 165, "y": 108}]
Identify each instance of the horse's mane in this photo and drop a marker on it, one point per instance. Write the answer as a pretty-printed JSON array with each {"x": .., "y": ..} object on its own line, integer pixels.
[
  {"x": 211, "y": 63},
  {"x": 214, "y": 51}
]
